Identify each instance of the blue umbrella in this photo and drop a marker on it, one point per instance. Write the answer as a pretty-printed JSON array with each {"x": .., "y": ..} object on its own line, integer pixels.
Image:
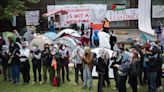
[{"x": 50, "y": 35}]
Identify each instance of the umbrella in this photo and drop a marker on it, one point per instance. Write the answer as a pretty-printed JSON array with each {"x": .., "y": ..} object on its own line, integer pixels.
[
  {"x": 7, "y": 35},
  {"x": 62, "y": 12},
  {"x": 28, "y": 36},
  {"x": 69, "y": 32},
  {"x": 66, "y": 41},
  {"x": 51, "y": 35},
  {"x": 40, "y": 41}
]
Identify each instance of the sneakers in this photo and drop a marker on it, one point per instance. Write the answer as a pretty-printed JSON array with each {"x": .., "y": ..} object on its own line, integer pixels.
[
  {"x": 40, "y": 82},
  {"x": 160, "y": 88},
  {"x": 33, "y": 83},
  {"x": 75, "y": 84}
]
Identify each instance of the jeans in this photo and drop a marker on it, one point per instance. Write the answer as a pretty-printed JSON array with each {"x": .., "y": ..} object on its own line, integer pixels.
[
  {"x": 122, "y": 83},
  {"x": 87, "y": 75},
  {"x": 152, "y": 81},
  {"x": 78, "y": 68},
  {"x": 36, "y": 68},
  {"x": 100, "y": 82},
  {"x": 15, "y": 73}
]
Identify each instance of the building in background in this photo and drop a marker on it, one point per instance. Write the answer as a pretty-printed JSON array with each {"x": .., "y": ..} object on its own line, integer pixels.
[{"x": 132, "y": 24}]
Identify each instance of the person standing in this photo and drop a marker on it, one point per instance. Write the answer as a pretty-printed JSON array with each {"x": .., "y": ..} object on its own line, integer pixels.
[
  {"x": 5, "y": 65},
  {"x": 15, "y": 64},
  {"x": 65, "y": 61},
  {"x": 36, "y": 62},
  {"x": 78, "y": 65},
  {"x": 101, "y": 68},
  {"x": 123, "y": 70},
  {"x": 152, "y": 71},
  {"x": 133, "y": 71},
  {"x": 87, "y": 68},
  {"x": 57, "y": 56},
  {"x": 46, "y": 58},
  {"x": 52, "y": 25},
  {"x": 25, "y": 65},
  {"x": 106, "y": 25}
]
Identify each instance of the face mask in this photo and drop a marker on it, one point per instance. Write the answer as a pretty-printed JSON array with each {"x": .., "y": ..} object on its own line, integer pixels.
[
  {"x": 63, "y": 48},
  {"x": 34, "y": 48}
]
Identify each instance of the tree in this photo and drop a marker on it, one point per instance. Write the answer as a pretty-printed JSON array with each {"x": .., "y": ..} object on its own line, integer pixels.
[{"x": 10, "y": 8}]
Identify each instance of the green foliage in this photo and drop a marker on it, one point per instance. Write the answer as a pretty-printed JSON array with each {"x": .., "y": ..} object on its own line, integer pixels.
[{"x": 11, "y": 8}]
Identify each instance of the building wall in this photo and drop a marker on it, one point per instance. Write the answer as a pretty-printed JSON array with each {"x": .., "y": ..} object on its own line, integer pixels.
[{"x": 42, "y": 6}]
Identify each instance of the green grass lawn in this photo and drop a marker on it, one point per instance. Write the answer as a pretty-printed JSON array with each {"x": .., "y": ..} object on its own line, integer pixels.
[{"x": 66, "y": 87}]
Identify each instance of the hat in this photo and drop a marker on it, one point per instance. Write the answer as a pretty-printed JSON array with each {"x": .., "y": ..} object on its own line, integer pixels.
[{"x": 87, "y": 49}]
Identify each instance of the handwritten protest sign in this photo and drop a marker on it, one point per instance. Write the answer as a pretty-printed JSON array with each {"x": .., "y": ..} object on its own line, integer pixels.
[
  {"x": 121, "y": 15},
  {"x": 32, "y": 17},
  {"x": 86, "y": 13}
]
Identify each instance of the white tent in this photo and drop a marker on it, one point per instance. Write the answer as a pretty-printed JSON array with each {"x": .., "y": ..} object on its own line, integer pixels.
[{"x": 68, "y": 31}]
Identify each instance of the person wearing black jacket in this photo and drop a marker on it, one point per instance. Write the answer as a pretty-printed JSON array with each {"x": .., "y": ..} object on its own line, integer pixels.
[
  {"x": 100, "y": 68},
  {"x": 15, "y": 64},
  {"x": 46, "y": 58},
  {"x": 36, "y": 62}
]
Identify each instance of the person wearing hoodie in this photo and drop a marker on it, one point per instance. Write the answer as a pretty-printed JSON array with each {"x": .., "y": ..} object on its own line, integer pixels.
[
  {"x": 78, "y": 64},
  {"x": 95, "y": 39},
  {"x": 101, "y": 69},
  {"x": 123, "y": 70},
  {"x": 15, "y": 64}
]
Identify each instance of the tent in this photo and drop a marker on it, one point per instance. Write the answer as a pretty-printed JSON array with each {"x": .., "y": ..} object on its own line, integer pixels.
[
  {"x": 50, "y": 35},
  {"x": 28, "y": 36},
  {"x": 70, "y": 32},
  {"x": 68, "y": 41},
  {"x": 40, "y": 41}
]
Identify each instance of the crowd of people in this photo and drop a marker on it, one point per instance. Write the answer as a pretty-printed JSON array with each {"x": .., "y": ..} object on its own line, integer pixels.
[{"x": 140, "y": 64}]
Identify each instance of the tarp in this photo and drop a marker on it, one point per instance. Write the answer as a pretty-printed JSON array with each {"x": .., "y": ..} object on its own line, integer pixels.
[
  {"x": 68, "y": 41},
  {"x": 144, "y": 21},
  {"x": 51, "y": 35},
  {"x": 158, "y": 11},
  {"x": 96, "y": 50},
  {"x": 69, "y": 32},
  {"x": 104, "y": 40},
  {"x": 7, "y": 35},
  {"x": 28, "y": 36}
]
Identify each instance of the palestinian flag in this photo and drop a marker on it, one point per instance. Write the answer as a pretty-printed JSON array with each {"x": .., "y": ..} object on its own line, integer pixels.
[{"x": 118, "y": 6}]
